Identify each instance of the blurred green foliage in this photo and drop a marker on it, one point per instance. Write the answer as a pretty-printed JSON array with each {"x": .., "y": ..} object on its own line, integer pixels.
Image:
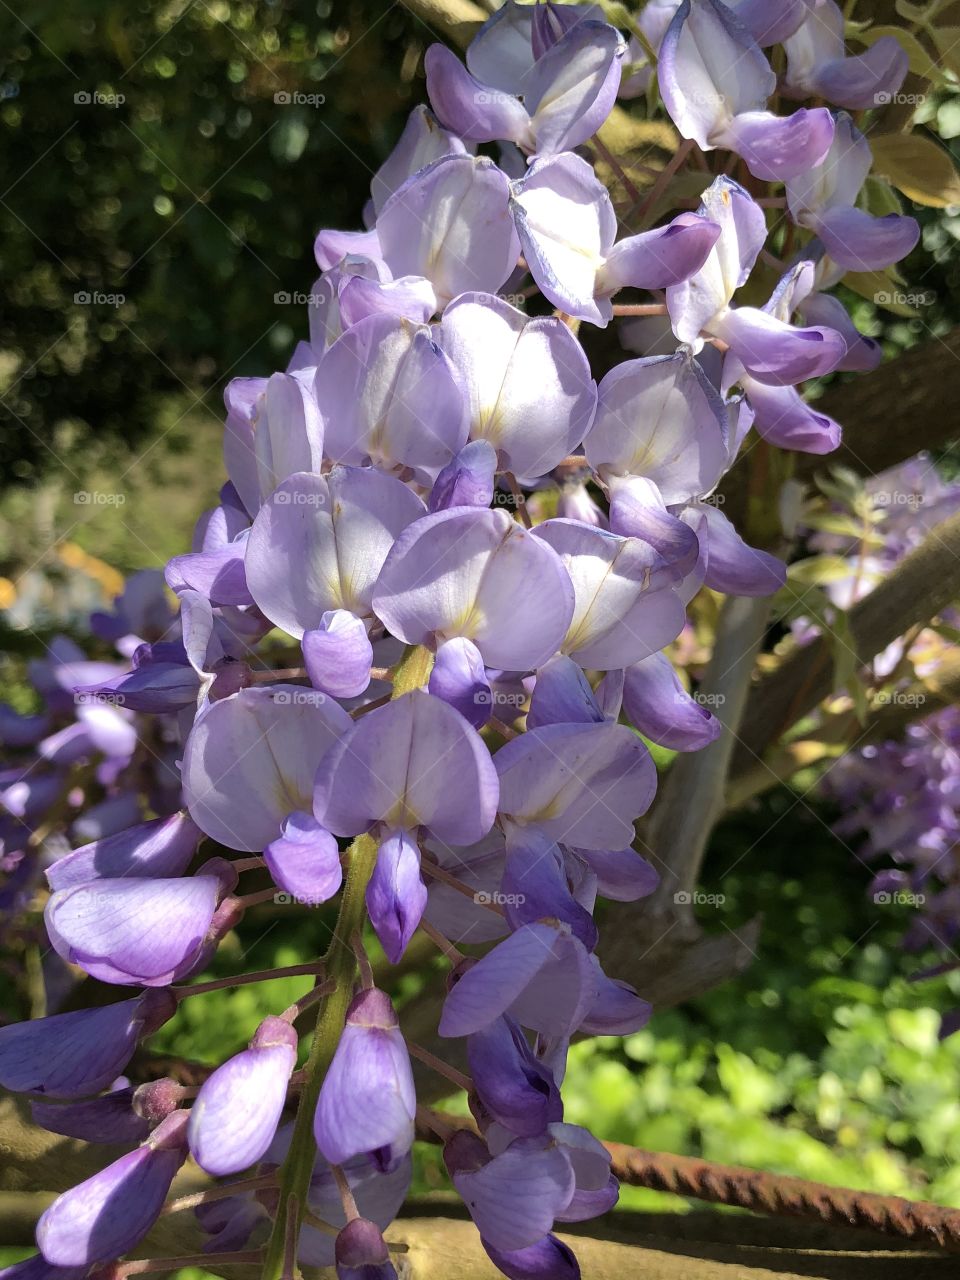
[{"x": 181, "y": 156}]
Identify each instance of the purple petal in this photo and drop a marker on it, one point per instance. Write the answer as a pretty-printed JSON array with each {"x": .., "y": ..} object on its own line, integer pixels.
[
  {"x": 572, "y": 87},
  {"x": 367, "y": 1100},
  {"x": 459, "y": 677},
  {"x": 616, "y": 1009},
  {"x": 624, "y": 609},
  {"x": 411, "y": 298},
  {"x": 481, "y": 867},
  {"x": 527, "y": 381},
  {"x": 338, "y": 654},
  {"x": 331, "y": 247},
  {"x": 37, "y": 1268},
  {"x": 304, "y": 860},
  {"x": 288, "y": 434},
  {"x": 110, "y": 1119},
  {"x": 535, "y": 885},
  {"x": 860, "y": 242},
  {"x": 870, "y": 79},
  {"x": 518, "y": 1091},
  {"x": 250, "y": 761},
  {"x": 501, "y": 53},
  {"x": 469, "y": 108},
  {"x": 562, "y": 695},
  {"x": 467, "y": 479},
  {"x": 389, "y": 395},
  {"x": 238, "y": 1108},
  {"x": 582, "y": 784},
  {"x": 622, "y": 874},
  {"x": 451, "y": 223},
  {"x": 778, "y": 353},
  {"x": 770, "y": 21},
  {"x": 735, "y": 568},
  {"x": 656, "y": 703},
  {"x": 660, "y": 258},
  {"x": 421, "y": 142},
  {"x": 394, "y": 766},
  {"x": 218, "y": 575},
  {"x": 463, "y": 573},
  {"x": 71, "y": 1054},
  {"x": 396, "y": 895},
  {"x": 863, "y": 353},
  {"x": 514, "y": 1199},
  {"x": 566, "y": 224},
  {"x": 547, "y": 1259},
  {"x": 489, "y": 988},
  {"x": 111, "y": 1212},
  {"x": 319, "y": 544},
  {"x": 638, "y": 511},
  {"x": 661, "y": 418},
  {"x": 711, "y": 69},
  {"x": 591, "y": 1204},
  {"x": 163, "y": 847},
  {"x": 782, "y": 416},
  {"x": 129, "y": 931},
  {"x": 778, "y": 147}
]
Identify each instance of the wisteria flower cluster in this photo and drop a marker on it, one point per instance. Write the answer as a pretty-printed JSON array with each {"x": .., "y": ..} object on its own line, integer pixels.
[
  {"x": 902, "y": 793},
  {"x": 461, "y": 750}
]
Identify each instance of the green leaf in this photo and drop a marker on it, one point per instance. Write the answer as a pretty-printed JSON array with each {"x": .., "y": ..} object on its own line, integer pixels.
[
  {"x": 918, "y": 167},
  {"x": 819, "y": 569},
  {"x": 921, "y": 63}
]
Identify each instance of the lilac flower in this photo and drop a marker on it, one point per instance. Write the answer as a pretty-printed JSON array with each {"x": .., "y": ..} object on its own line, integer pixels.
[
  {"x": 567, "y": 229},
  {"x": 568, "y": 92},
  {"x": 274, "y": 739},
  {"x": 823, "y": 199},
  {"x": 660, "y": 418},
  {"x": 716, "y": 82},
  {"x": 111, "y": 1212},
  {"x": 770, "y": 350},
  {"x": 367, "y": 1100},
  {"x": 528, "y": 383},
  {"x": 68, "y": 1055},
  {"x": 388, "y": 396},
  {"x": 235, "y": 1115},
  {"x": 136, "y": 931},
  {"x": 817, "y": 64},
  {"x": 461, "y": 573},
  {"x": 361, "y": 1252},
  {"x": 110, "y": 1119},
  {"x": 426, "y": 228}
]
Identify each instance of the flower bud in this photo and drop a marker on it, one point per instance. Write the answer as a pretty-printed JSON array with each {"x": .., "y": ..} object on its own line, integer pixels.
[
  {"x": 236, "y": 1113},
  {"x": 367, "y": 1100},
  {"x": 361, "y": 1252},
  {"x": 111, "y": 1212}
]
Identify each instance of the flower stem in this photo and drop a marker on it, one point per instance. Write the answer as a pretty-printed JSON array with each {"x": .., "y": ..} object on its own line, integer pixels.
[{"x": 340, "y": 965}]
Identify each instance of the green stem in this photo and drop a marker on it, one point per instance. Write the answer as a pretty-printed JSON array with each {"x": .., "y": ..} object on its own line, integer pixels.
[{"x": 340, "y": 965}]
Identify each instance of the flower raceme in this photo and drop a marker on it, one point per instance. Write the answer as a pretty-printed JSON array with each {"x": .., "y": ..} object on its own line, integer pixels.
[{"x": 457, "y": 744}]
